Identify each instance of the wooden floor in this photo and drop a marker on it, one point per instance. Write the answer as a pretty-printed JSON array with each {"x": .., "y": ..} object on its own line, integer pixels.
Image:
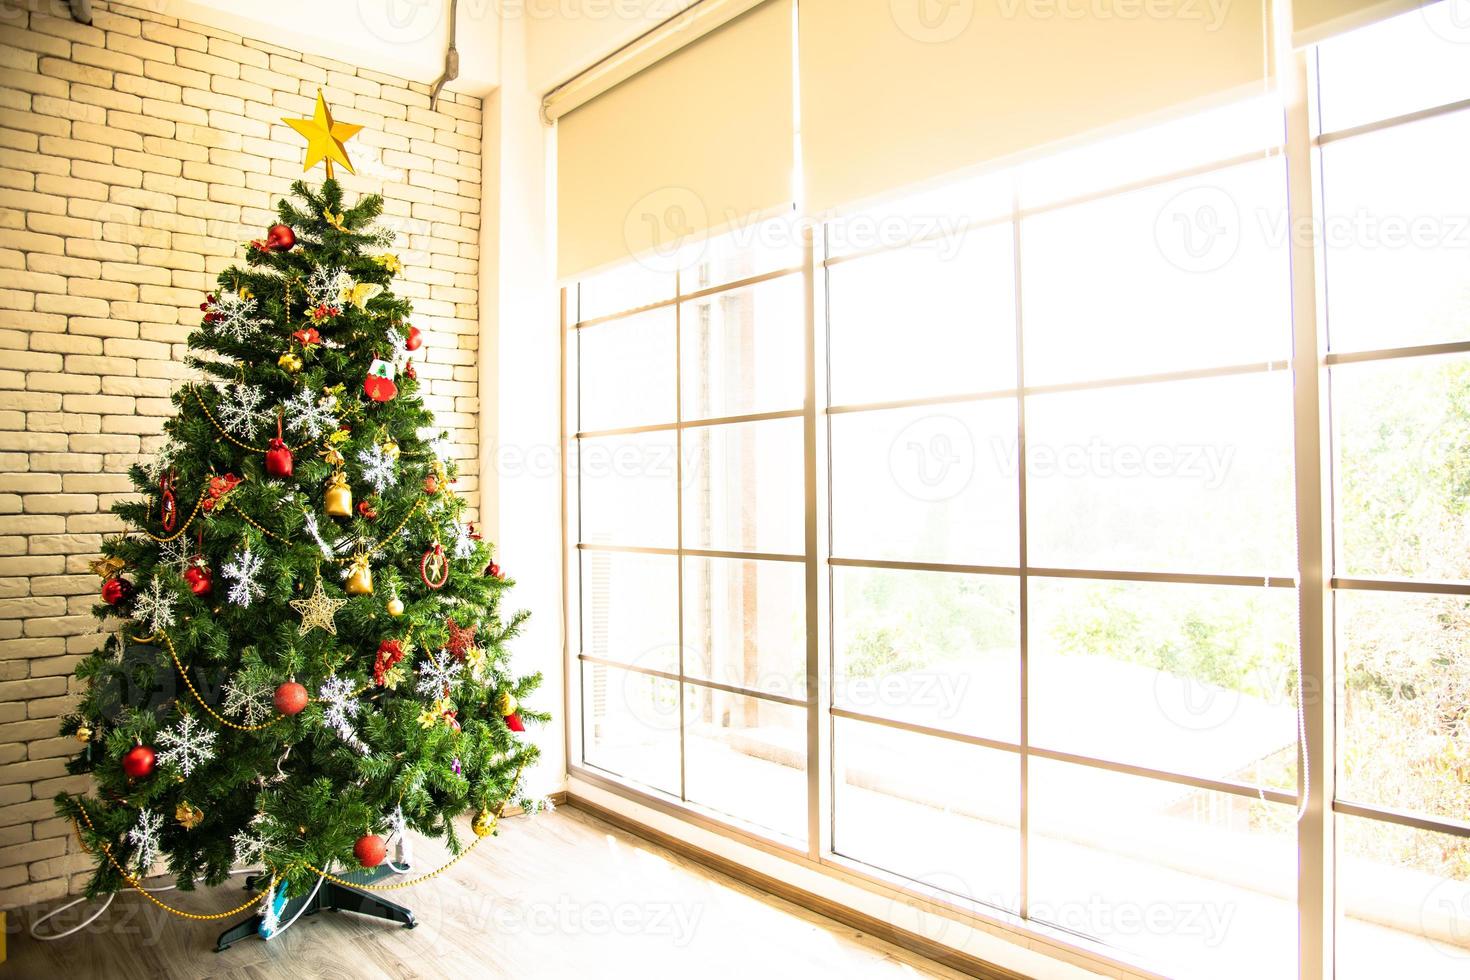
[{"x": 562, "y": 895}]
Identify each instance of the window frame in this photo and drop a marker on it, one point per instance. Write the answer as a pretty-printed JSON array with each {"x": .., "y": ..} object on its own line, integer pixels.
[{"x": 1315, "y": 579}]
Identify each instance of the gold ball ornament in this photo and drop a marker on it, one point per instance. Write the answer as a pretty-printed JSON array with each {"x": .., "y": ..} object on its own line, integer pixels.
[
  {"x": 506, "y": 704},
  {"x": 289, "y": 362},
  {"x": 395, "y": 607},
  {"x": 484, "y": 823},
  {"x": 84, "y": 734},
  {"x": 338, "y": 499}
]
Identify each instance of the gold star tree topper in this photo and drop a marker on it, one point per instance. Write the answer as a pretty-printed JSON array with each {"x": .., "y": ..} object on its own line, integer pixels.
[
  {"x": 325, "y": 137},
  {"x": 318, "y": 610}
]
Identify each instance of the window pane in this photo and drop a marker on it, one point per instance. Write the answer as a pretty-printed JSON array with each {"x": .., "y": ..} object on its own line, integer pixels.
[
  {"x": 630, "y": 608},
  {"x": 1400, "y": 65},
  {"x": 1178, "y": 276},
  {"x": 927, "y": 484},
  {"x": 1402, "y": 446},
  {"x": 625, "y": 288},
  {"x": 745, "y": 624},
  {"x": 1188, "y": 476},
  {"x": 1406, "y": 687},
  {"x": 747, "y": 757},
  {"x": 743, "y": 487},
  {"x": 1195, "y": 679},
  {"x": 1250, "y": 125},
  {"x": 750, "y": 250},
  {"x": 940, "y": 812},
  {"x": 932, "y": 319},
  {"x": 1404, "y": 902},
  {"x": 630, "y": 725},
  {"x": 1201, "y": 883},
  {"x": 743, "y": 351},
  {"x": 1397, "y": 251},
  {"x": 932, "y": 648},
  {"x": 628, "y": 489},
  {"x": 626, "y": 370}
]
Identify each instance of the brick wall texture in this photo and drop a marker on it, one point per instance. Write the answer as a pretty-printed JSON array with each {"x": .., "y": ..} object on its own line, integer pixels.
[{"x": 136, "y": 156}]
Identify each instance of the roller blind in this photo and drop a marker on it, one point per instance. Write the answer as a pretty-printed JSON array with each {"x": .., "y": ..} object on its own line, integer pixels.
[
  {"x": 894, "y": 92},
  {"x": 698, "y": 142},
  {"x": 1317, "y": 20}
]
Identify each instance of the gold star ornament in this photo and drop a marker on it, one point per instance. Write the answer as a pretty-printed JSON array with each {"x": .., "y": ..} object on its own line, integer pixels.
[
  {"x": 317, "y": 610},
  {"x": 325, "y": 137}
]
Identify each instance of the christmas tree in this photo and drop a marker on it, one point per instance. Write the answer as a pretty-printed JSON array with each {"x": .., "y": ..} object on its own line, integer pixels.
[{"x": 298, "y": 677}]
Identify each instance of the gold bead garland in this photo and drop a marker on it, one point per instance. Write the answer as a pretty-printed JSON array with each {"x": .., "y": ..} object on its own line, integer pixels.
[
  {"x": 194, "y": 390},
  {"x": 107, "y": 850},
  {"x": 168, "y": 642}
]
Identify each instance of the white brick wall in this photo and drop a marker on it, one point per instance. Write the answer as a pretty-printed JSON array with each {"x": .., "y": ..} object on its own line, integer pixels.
[{"x": 136, "y": 155}]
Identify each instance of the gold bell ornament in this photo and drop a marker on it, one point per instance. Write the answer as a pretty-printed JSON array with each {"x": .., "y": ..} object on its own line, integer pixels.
[
  {"x": 360, "y": 577},
  {"x": 289, "y": 362},
  {"x": 484, "y": 823},
  {"x": 338, "y": 499}
]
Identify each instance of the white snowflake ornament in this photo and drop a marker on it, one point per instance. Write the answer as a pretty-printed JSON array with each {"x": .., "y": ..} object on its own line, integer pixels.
[
  {"x": 144, "y": 838},
  {"x": 252, "y": 702},
  {"x": 341, "y": 707},
  {"x": 240, "y": 412},
  {"x": 241, "y": 571},
  {"x": 187, "y": 746},
  {"x": 309, "y": 416},
  {"x": 438, "y": 675},
  {"x": 154, "y": 606},
  {"x": 379, "y": 467}
]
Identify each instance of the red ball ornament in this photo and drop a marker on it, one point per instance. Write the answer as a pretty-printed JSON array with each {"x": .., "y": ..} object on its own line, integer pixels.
[
  {"x": 370, "y": 850},
  {"x": 415, "y": 339},
  {"x": 280, "y": 238},
  {"x": 116, "y": 591},
  {"x": 138, "y": 762},
  {"x": 278, "y": 462},
  {"x": 290, "y": 698},
  {"x": 200, "y": 580},
  {"x": 514, "y": 723}
]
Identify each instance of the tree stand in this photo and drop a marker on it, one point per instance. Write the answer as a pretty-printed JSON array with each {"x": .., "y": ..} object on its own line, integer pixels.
[{"x": 330, "y": 896}]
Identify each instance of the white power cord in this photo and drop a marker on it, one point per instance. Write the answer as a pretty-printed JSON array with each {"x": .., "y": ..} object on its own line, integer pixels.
[{"x": 162, "y": 888}]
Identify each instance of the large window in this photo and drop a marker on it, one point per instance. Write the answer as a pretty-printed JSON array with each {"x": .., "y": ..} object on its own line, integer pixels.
[
  {"x": 1395, "y": 212},
  {"x": 1006, "y": 472}
]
